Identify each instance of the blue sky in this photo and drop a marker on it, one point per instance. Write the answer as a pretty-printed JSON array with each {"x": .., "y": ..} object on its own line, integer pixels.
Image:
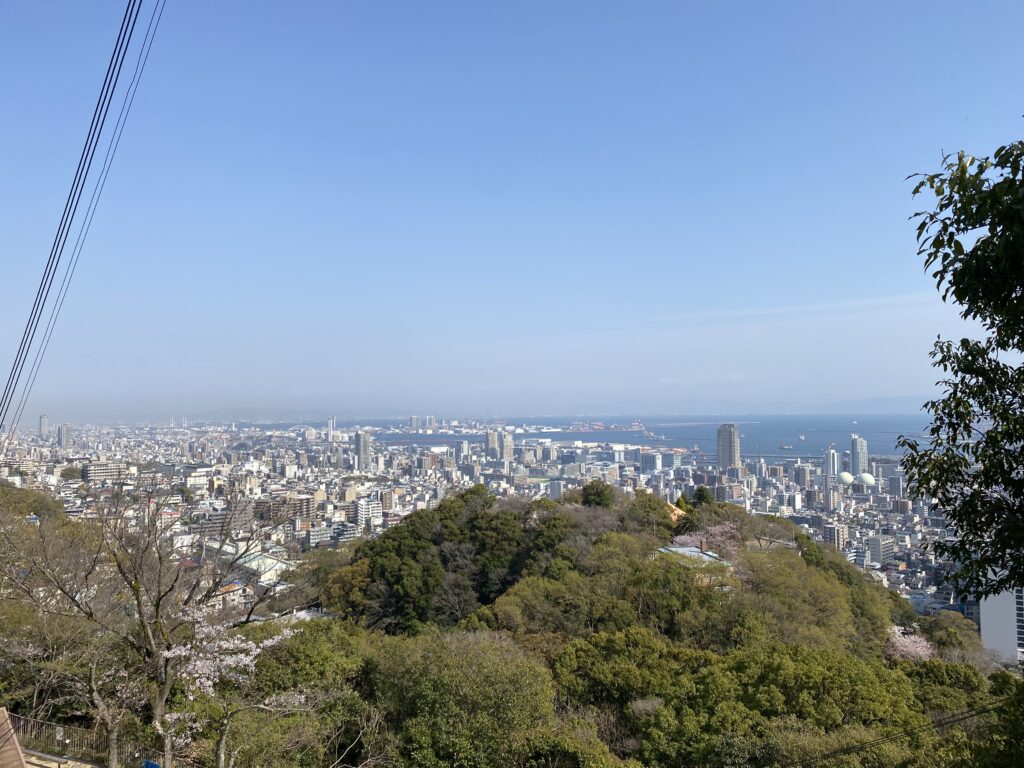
[{"x": 517, "y": 207}]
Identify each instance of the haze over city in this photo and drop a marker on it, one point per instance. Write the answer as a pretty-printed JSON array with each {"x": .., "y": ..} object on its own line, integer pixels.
[
  {"x": 581, "y": 384},
  {"x": 384, "y": 208}
]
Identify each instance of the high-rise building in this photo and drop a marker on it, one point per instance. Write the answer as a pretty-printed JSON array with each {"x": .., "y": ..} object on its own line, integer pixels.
[
  {"x": 650, "y": 462},
  {"x": 802, "y": 475},
  {"x": 831, "y": 464},
  {"x": 364, "y": 449},
  {"x": 858, "y": 455},
  {"x": 431, "y": 422},
  {"x": 1002, "y": 624},
  {"x": 414, "y": 423},
  {"x": 492, "y": 444},
  {"x": 508, "y": 447},
  {"x": 330, "y": 429},
  {"x": 44, "y": 427},
  {"x": 64, "y": 436},
  {"x": 728, "y": 446}
]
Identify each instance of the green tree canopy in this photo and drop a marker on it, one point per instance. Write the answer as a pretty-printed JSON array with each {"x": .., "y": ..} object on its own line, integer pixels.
[
  {"x": 968, "y": 467},
  {"x": 598, "y": 493}
]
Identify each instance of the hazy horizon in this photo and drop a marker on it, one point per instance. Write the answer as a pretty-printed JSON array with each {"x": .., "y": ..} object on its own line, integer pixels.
[
  {"x": 317, "y": 417},
  {"x": 530, "y": 208}
]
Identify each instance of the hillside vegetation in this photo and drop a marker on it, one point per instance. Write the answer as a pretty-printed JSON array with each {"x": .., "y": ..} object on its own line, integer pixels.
[{"x": 485, "y": 633}]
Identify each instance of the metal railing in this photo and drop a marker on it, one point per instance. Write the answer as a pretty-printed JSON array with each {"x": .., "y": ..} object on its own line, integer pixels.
[{"x": 80, "y": 744}]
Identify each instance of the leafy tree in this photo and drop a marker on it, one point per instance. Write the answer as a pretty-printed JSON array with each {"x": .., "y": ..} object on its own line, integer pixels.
[
  {"x": 648, "y": 513},
  {"x": 461, "y": 699},
  {"x": 1004, "y": 744},
  {"x": 300, "y": 704},
  {"x": 21, "y": 503},
  {"x": 442, "y": 564},
  {"x": 968, "y": 467},
  {"x": 598, "y": 493},
  {"x": 943, "y": 688},
  {"x": 71, "y": 473},
  {"x": 955, "y": 637},
  {"x": 703, "y": 495}
]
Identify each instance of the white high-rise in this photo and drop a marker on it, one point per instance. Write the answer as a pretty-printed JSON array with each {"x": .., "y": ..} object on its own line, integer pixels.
[
  {"x": 858, "y": 455},
  {"x": 831, "y": 464},
  {"x": 1002, "y": 624}
]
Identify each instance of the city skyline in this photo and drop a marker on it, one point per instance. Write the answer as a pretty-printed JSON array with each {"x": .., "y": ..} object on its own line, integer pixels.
[
  {"x": 511, "y": 384},
  {"x": 463, "y": 182}
]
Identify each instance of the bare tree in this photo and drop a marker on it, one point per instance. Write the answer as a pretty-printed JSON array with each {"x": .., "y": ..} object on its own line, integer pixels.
[{"x": 143, "y": 582}]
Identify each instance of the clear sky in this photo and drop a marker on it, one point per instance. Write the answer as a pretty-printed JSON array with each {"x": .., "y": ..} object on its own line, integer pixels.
[{"x": 496, "y": 207}]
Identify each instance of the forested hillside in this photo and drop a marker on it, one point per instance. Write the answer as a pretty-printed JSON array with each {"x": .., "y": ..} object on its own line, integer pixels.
[{"x": 484, "y": 633}]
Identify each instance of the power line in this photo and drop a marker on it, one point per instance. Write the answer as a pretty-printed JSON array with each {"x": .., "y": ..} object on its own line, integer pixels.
[
  {"x": 71, "y": 204},
  {"x": 83, "y": 232},
  {"x": 113, "y": 69},
  {"x": 936, "y": 724}
]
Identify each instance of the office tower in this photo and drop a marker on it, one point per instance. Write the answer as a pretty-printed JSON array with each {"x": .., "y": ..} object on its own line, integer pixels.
[
  {"x": 462, "y": 451},
  {"x": 44, "y": 426},
  {"x": 64, "y": 436},
  {"x": 364, "y": 449},
  {"x": 431, "y": 422},
  {"x": 414, "y": 423},
  {"x": 802, "y": 475},
  {"x": 492, "y": 444},
  {"x": 831, "y": 464},
  {"x": 508, "y": 447},
  {"x": 330, "y": 429},
  {"x": 858, "y": 455},
  {"x": 728, "y": 446}
]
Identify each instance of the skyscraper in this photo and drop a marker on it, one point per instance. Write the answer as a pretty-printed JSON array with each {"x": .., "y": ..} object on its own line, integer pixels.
[
  {"x": 858, "y": 455},
  {"x": 508, "y": 447},
  {"x": 831, "y": 465},
  {"x": 44, "y": 426},
  {"x": 330, "y": 429},
  {"x": 364, "y": 449},
  {"x": 492, "y": 444},
  {"x": 728, "y": 446}
]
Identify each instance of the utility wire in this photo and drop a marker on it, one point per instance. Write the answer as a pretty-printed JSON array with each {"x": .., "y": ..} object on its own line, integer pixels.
[
  {"x": 83, "y": 232},
  {"x": 103, "y": 102},
  {"x": 111, "y": 68},
  {"x": 68, "y": 206},
  {"x": 936, "y": 724}
]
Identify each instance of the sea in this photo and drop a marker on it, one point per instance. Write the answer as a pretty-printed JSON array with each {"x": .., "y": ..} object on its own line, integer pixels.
[{"x": 773, "y": 437}]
